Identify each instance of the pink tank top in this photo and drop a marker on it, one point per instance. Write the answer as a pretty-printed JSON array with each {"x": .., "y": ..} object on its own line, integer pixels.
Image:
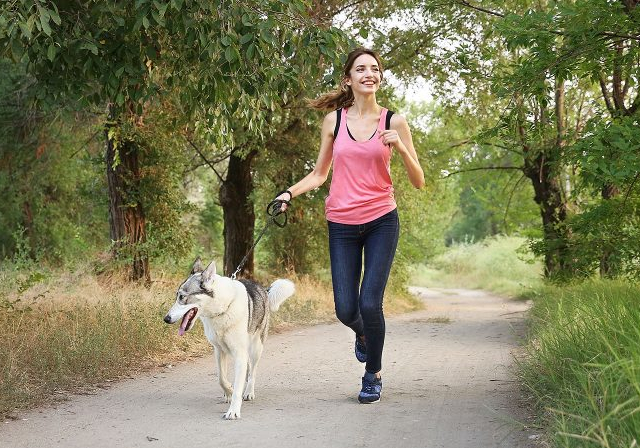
[{"x": 361, "y": 188}]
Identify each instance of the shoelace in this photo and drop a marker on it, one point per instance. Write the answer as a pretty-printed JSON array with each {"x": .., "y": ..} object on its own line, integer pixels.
[{"x": 370, "y": 386}]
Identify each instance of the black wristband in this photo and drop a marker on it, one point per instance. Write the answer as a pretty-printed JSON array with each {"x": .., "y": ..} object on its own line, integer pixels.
[{"x": 285, "y": 191}]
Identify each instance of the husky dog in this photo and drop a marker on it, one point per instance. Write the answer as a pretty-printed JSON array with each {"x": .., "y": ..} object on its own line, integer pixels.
[{"x": 235, "y": 315}]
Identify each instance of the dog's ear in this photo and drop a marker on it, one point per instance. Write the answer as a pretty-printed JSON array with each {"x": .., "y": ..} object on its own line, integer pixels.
[
  {"x": 208, "y": 275},
  {"x": 197, "y": 266}
]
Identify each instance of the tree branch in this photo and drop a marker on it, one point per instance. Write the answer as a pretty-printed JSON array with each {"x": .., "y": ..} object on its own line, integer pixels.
[
  {"x": 211, "y": 164},
  {"x": 483, "y": 168},
  {"x": 506, "y": 210},
  {"x": 605, "y": 94},
  {"x": 481, "y": 9},
  {"x": 629, "y": 190},
  {"x": 608, "y": 34}
]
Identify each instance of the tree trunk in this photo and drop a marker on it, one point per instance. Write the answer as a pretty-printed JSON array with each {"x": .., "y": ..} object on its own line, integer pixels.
[
  {"x": 127, "y": 226},
  {"x": 553, "y": 210},
  {"x": 239, "y": 218},
  {"x": 538, "y": 167}
]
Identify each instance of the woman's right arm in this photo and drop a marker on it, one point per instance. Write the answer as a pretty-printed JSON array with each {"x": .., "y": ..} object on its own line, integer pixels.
[{"x": 320, "y": 172}]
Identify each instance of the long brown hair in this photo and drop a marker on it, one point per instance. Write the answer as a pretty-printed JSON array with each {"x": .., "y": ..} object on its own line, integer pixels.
[{"x": 343, "y": 96}]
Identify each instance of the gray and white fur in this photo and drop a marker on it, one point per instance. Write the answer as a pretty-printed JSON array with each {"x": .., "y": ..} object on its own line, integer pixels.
[{"x": 235, "y": 316}]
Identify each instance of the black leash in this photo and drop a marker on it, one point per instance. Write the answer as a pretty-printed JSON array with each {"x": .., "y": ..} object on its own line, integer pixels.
[{"x": 273, "y": 211}]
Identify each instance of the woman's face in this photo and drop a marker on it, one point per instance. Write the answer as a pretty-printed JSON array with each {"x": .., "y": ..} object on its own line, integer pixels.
[{"x": 365, "y": 75}]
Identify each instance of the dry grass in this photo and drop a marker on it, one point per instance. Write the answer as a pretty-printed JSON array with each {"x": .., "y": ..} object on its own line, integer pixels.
[{"x": 71, "y": 331}]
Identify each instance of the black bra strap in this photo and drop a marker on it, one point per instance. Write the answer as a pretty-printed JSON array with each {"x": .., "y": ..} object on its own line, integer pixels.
[
  {"x": 338, "y": 118},
  {"x": 387, "y": 124}
]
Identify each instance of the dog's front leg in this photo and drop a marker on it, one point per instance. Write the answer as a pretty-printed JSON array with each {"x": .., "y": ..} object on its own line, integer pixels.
[
  {"x": 221, "y": 358},
  {"x": 240, "y": 372}
]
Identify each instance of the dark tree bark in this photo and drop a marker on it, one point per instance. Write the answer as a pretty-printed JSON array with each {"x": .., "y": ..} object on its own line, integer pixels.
[
  {"x": 553, "y": 211},
  {"x": 127, "y": 225},
  {"x": 239, "y": 218},
  {"x": 539, "y": 169}
]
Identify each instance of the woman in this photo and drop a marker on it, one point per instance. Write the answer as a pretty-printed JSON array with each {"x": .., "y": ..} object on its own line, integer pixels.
[{"x": 359, "y": 138}]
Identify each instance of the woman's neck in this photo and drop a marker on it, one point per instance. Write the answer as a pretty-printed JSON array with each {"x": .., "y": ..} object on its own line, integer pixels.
[{"x": 365, "y": 105}]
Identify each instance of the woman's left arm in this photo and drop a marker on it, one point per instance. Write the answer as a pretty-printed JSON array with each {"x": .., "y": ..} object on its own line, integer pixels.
[{"x": 399, "y": 136}]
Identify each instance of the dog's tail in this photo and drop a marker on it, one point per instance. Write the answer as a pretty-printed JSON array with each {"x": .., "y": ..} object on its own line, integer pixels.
[{"x": 279, "y": 291}]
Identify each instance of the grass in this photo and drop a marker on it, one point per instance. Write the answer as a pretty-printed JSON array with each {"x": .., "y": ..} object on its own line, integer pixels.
[
  {"x": 583, "y": 363},
  {"x": 495, "y": 264},
  {"x": 62, "y": 332}
]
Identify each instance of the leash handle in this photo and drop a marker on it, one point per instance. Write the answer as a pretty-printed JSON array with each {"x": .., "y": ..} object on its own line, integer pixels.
[{"x": 274, "y": 209}]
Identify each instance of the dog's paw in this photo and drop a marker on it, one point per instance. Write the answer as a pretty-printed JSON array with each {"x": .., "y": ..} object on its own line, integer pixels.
[
  {"x": 228, "y": 393},
  {"x": 249, "y": 396},
  {"x": 232, "y": 415}
]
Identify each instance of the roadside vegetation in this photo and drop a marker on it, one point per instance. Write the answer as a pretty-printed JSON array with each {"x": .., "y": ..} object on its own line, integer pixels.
[
  {"x": 500, "y": 264},
  {"x": 583, "y": 363}
]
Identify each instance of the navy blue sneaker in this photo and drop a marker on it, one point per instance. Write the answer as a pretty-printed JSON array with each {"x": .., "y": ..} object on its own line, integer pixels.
[
  {"x": 361, "y": 350},
  {"x": 371, "y": 389}
]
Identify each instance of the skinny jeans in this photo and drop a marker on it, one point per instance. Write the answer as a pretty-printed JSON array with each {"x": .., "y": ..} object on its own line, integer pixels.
[{"x": 359, "y": 305}]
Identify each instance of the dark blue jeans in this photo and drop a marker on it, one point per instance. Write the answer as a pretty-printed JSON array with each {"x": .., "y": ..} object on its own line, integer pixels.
[{"x": 359, "y": 306}]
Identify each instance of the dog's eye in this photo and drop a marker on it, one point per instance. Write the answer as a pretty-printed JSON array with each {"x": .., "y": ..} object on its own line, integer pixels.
[{"x": 181, "y": 298}]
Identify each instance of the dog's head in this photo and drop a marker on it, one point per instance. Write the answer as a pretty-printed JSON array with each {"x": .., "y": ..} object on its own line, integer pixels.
[{"x": 192, "y": 294}]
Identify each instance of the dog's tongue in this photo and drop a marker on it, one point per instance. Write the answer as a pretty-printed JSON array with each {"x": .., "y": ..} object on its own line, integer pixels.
[{"x": 183, "y": 325}]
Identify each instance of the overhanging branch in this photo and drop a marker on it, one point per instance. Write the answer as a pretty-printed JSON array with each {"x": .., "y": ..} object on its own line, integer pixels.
[{"x": 481, "y": 168}]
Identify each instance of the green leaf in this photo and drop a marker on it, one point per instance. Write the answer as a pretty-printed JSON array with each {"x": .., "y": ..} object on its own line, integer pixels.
[
  {"x": 157, "y": 17},
  {"x": 246, "y": 38},
  {"x": 24, "y": 27},
  {"x": 229, "y": 54},
  {"x": 251, "y": 51},
  {"x": 55, "y": 16},
  {"x": 51, "y": 52},
  {"x": 145, "y": 22},
  {"x": 17, "y": 50},
  {"x": 162, "y": 9},
  {"x": 44, "y": 20},
  {"x": 90, "y": 46}
]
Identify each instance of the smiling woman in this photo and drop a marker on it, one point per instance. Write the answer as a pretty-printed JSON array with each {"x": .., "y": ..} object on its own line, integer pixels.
[{"x": 358, "y": 139}]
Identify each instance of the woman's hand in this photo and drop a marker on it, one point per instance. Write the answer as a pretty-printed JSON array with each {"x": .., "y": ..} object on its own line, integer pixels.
[
  {"x": 399, "y": 136},
  {"x": 391, "y": 137},
  {"x": 285, "y": 197}
]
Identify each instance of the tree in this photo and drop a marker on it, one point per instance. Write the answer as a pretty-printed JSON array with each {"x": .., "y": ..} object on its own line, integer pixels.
[{"x": 213, "y": 56}]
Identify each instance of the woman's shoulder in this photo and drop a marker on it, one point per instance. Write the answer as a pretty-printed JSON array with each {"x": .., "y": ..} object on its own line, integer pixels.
[
  {"x": 397, "y": 121},
  {"x": 332, "y": 115},
  {"x": 330, "y": 118}
]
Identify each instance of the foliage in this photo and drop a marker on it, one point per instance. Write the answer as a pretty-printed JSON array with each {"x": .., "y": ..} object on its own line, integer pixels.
[
  {"x": 607, "y": 154},
  {"x": 47, "y": 178},
  {"x": 127, "y": 53},
  {"x": 583, "y": 363},
  {"x": 202, "y": 59}
]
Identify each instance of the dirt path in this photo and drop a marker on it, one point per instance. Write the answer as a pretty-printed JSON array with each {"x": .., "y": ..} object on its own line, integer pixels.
[{"x": 446, "y": 385}]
